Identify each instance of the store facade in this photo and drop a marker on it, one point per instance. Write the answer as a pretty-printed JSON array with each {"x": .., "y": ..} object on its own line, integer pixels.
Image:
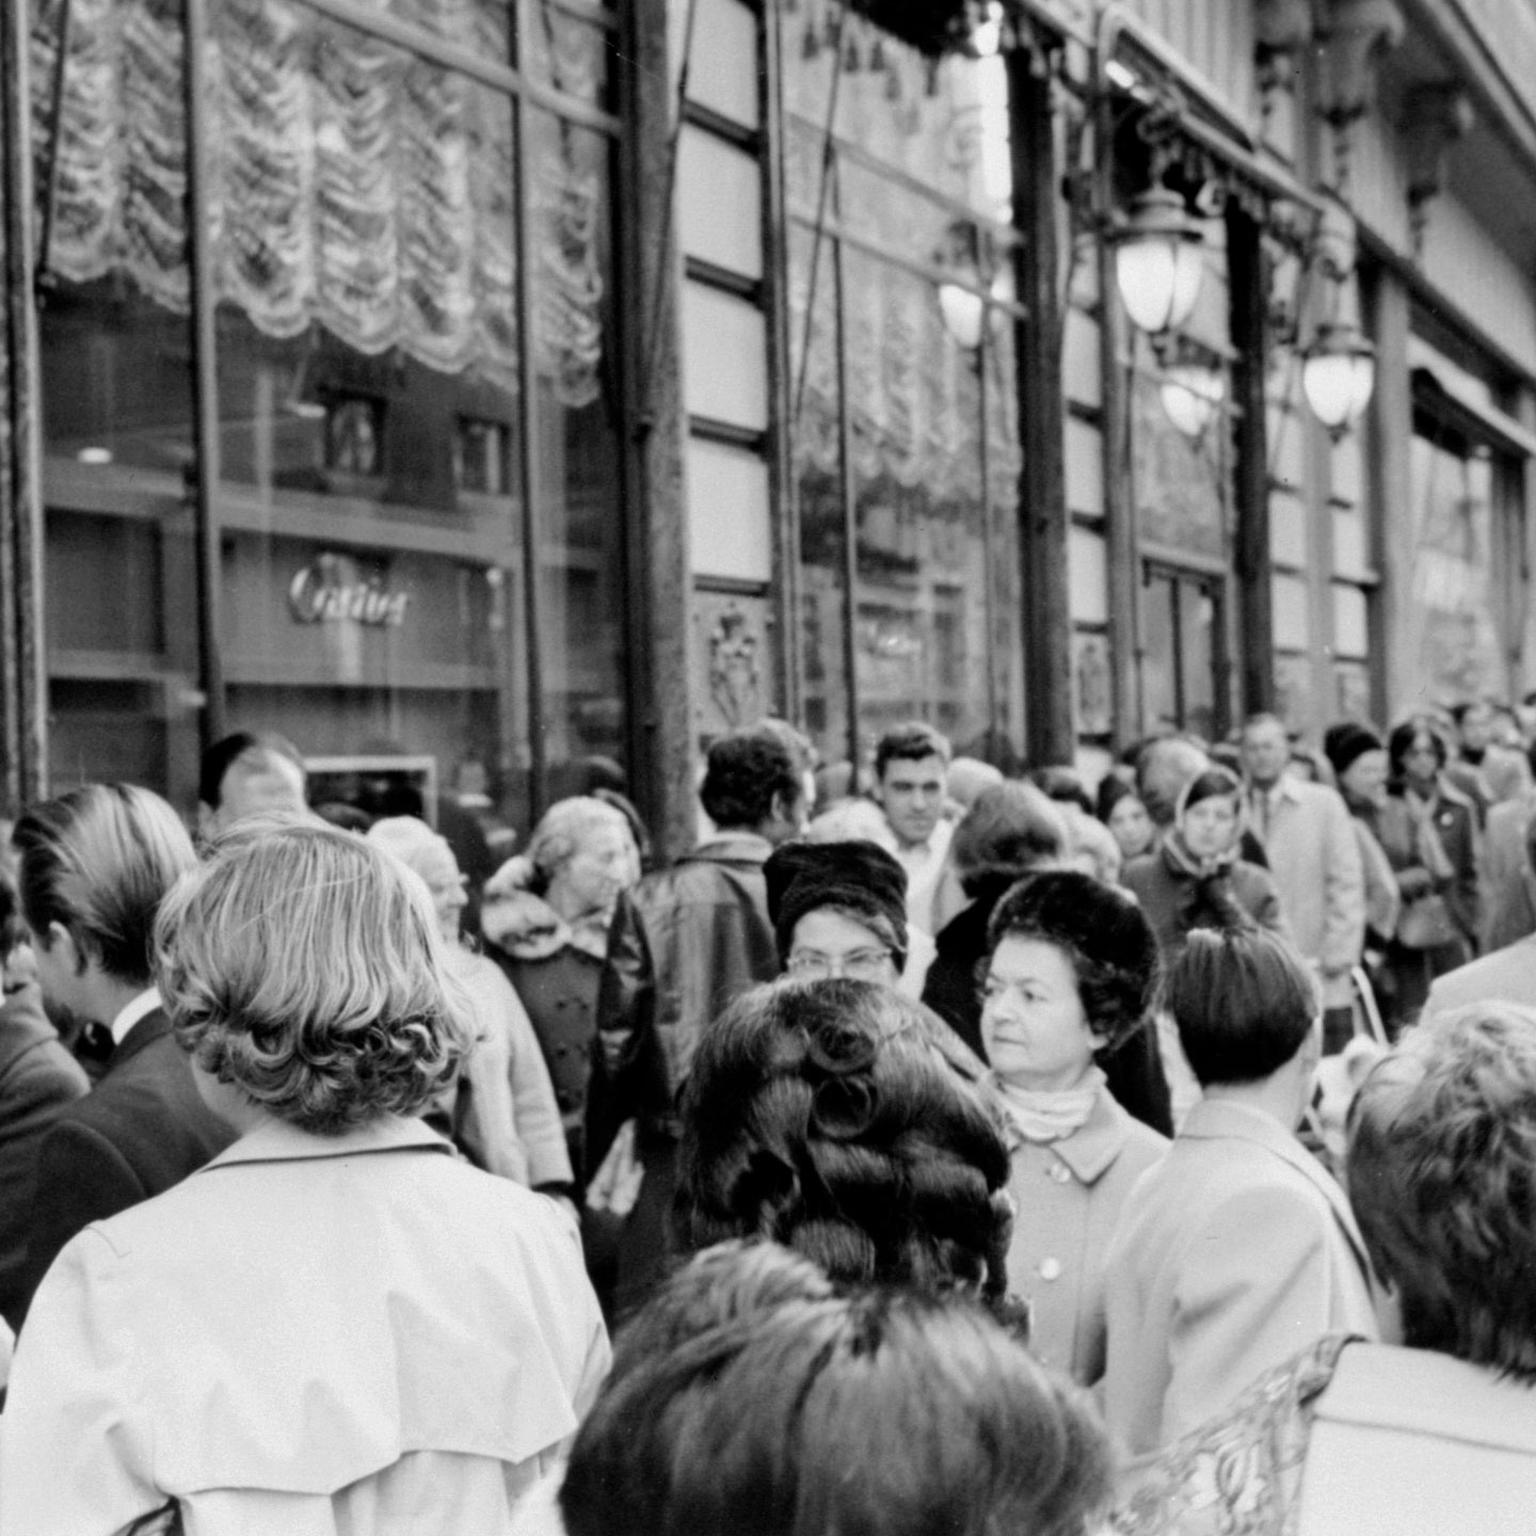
[
  {"x": 330, "y": 388},
  {"x": 529, "y": 390}
]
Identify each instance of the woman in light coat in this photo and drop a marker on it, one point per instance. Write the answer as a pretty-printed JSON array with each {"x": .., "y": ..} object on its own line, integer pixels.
[
  {"x": 502, "y": 1114},
  {"x": 1072, "y": 970},
  {"x": 337, "y": 1325}
]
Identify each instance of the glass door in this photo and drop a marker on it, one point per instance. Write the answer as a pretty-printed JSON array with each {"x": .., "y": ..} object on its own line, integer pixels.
[{"x": 1182, "y": 654}]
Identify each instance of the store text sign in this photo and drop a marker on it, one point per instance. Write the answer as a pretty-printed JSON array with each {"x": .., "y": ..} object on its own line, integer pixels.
[{"x": 320, "y": 593}]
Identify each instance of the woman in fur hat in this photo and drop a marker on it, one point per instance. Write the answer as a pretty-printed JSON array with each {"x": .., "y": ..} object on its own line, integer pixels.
[
  {"x": 1072, "y": 972},
  {"x": 838, "y": 909}
]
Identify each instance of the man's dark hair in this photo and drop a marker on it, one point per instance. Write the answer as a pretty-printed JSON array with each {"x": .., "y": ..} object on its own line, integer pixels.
[
  {"x": 804, "y": 1411},
  {"x": 225, "y": 753},
  {"x": 911, "y": 741},
  {"x": 1243, "y": 1000},
  {"x": 746, "y": 769}
]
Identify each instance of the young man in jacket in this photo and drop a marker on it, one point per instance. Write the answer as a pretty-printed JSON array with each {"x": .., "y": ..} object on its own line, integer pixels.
[{"x": 685, "y": 943}]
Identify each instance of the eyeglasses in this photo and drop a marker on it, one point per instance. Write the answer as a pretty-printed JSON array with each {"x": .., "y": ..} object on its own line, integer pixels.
[{"x": 860, "y": 964}]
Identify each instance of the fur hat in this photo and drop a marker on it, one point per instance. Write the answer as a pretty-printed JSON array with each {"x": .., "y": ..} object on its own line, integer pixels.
[
  {"x": 1344, "y": 743},
  {"x": 857, "y": 877},
  {"x": 1103, "y": 931}
]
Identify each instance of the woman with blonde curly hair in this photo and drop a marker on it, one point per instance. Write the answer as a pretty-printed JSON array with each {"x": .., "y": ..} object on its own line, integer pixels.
[{"x": 336, "y": 1325}]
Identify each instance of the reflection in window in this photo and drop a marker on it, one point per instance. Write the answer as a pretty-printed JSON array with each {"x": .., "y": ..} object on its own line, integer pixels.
[
  {"x": 366, "y": 231},
  {"x": 1454, "y": 588},
  {"x": 931, "y": 426}
]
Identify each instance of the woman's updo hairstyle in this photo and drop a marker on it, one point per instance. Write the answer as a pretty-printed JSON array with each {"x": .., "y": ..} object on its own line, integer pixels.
[
  {"x": 303, "y": 966},
  {"x": 1104, "y": 933},
  {"x": 836, "y": 1117}
]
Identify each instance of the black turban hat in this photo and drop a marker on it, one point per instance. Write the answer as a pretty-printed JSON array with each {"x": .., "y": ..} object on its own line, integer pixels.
[{"x": 856, "y": 877}]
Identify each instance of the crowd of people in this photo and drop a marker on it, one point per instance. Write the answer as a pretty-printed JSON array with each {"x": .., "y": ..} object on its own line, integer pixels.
[{"x": 945, "y": 1151}]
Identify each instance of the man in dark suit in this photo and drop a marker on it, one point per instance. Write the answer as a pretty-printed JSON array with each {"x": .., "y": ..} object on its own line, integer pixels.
[{"x": 94, "y": 865}]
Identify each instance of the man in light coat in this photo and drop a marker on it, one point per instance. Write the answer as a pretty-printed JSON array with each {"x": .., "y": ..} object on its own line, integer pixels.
[
  {"x": 1314, "y": 857},
  {"x": 1237, "y": 1250}
]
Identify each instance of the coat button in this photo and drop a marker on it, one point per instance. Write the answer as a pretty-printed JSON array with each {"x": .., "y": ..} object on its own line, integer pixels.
[
  {"x": 1060, "y": 1173},
  {"x": 1050, "y": 1269}
]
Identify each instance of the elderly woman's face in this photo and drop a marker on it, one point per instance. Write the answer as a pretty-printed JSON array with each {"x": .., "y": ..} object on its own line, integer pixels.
[
  {"x": 604, "y": 865},
  {"x": 1033, "y": 1023}
]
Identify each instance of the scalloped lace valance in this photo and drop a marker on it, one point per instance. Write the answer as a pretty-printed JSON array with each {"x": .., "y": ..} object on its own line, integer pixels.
[{"x": 353, "y": 186}]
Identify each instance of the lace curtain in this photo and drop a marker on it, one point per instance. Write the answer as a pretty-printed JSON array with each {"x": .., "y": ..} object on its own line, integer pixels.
[{"x": 353, "y": 185}]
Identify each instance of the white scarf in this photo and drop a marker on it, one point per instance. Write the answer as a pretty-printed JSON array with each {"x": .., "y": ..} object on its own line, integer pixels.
[{"x": 1045, "y": 1115}]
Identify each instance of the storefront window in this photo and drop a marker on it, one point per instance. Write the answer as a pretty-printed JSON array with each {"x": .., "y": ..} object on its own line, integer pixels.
[
  {"x": 369, "y": 214},
  {"x": 906, "y": 207},
  {"x": 1454, "y": 562}
]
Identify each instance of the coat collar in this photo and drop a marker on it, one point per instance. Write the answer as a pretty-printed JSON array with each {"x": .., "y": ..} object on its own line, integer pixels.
[
  {"x": 155, "y": 1025},
  {"x": 731, "y": 848},
  {"x": 1093, "y": 1147},
  {"x": 276, "y": 1141}
]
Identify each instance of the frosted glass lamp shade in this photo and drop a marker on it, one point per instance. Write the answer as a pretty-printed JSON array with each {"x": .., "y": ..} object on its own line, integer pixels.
[
  {"x": 1338, "y": 374},
  {"x": 1159, "y": 262}
]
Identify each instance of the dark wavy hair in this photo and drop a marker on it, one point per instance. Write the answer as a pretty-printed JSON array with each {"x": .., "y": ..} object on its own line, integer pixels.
[
  {"x": 1441, "y": 1171},
  {"x": 1104, "y": 933},
  {"x": 836, "y": 1117},
  {"x": 302, "y": 965},
  {"x": 912, "y": 741},
  {"x": 744, "y": 771},
  {"x": 799, "y": 1413}
]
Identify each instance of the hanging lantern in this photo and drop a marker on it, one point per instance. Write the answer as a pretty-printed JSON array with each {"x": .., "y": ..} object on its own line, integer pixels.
[
  {"x": 1159, "y": 261},
  {"x": 1191, "y": 393},
  {"x": 1338, "y": 374},
  {"x": 963, "y": 311}
]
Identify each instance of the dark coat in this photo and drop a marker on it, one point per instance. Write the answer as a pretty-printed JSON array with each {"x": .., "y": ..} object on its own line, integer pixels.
[
  {"x": 38, "y": 1079},
  {"x": 1176, "y": 901},
  {"x": 1133, "y": 1070},
  {"x": 684, "y": 944},
  {"x": 140, "y": 1130},
  {"x": 1456, "y": 823}
]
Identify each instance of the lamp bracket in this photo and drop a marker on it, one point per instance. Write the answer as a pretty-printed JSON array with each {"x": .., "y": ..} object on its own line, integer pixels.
[{"x": 1434, "y": 118}]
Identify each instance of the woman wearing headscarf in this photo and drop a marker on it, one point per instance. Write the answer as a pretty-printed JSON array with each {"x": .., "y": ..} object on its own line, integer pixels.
[{"x": 1198, "y": 878}]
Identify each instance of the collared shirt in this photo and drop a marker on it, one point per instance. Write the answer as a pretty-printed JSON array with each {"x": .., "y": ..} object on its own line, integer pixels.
[
  {"x": 140, "y": 1008},
  {"x": 925, "y": 864},
  {"x": 1262, "y": 803}
]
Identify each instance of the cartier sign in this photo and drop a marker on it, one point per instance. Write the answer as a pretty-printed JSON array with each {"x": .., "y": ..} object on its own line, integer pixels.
[{"x": 328, "y": 592}]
